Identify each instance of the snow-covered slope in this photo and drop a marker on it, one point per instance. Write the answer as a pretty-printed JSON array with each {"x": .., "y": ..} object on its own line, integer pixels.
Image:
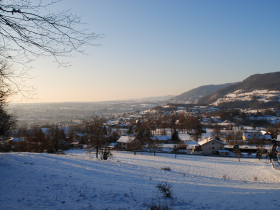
[
  {"x": 78, "y": 181},
  {"x": 242, "y": 95},
  {"x": 257, "y": 83}
]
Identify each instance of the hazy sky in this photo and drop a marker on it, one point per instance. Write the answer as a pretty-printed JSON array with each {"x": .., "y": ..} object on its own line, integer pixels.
[{"x": 158, "y": 48}]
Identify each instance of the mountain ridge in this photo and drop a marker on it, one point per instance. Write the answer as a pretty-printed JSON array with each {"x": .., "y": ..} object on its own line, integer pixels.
[
  {"x": 195, "y": 93},
  {"x": 267, "y": 81}
]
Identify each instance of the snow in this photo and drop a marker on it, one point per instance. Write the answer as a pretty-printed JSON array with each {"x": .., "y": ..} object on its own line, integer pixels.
[
  {"x": 17, "y": 139},
  {"x": 79, "y": 181},
  {"x": 163, "y": 137},
  {"x": 241, "y": 95},
  {"x": 125, "y": 139},
  {"x": 208, "y": 140},
  {"x": 187, "y": 137}
]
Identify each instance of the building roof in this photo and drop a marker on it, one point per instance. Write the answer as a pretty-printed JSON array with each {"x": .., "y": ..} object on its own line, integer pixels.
[
  {"x": 125, "y": 139},
  {"x": 256, "y": 135},
  {"x": 264, "y": 132},
  {"x": 17, "y": 139},
  {"x": 209, "y": 140},
  {"x": 163, "y": 137},
  {"x": 266, "y": 137}
]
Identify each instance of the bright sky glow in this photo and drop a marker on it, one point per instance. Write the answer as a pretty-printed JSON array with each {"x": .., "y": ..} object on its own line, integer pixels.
[{"x": 162, "y": 47}]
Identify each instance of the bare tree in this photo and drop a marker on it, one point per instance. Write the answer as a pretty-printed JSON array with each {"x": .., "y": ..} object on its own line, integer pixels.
[
  {"x": 29, "y": 30},
  {"x": 7, "y": 121},
  {"x": 216, "y": 131},
  {"x": 153, "y": 145},
  {"x": 234, "y": 136},
  {"x": 194, "y": 126},
  {"x": 238, "y": 153},
  {"x": 134, "y": 144},
  {"x": 105, "y": 151},
  {"x": 57, "y": 137},
  {"x": 109, "y": 130},
  {"x": 8, "y": 86},
  {"x": 94, "y": 128},
  {"x": 26, "y": 33},
  {"x": 176, "y": 148}
]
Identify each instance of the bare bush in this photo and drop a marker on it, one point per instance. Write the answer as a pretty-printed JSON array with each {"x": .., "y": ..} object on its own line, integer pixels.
[
  {"x": 159, "y": 206},
  {"x": 106, "y": 154},
  {"x": 165, "y": 189}
]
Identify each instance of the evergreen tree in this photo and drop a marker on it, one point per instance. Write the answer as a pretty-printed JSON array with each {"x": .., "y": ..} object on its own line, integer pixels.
[{"x": 175, "y": 136}]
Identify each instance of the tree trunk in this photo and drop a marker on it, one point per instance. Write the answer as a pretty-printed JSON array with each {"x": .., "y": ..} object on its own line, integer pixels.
[{"x": 97, "y": 151}]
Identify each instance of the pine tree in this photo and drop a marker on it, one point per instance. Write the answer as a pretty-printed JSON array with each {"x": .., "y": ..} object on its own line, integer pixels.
[{"x": 175, "y": 136}]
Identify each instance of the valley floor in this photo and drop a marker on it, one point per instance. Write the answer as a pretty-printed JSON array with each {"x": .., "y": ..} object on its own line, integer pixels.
[{"x": 78, "y": 181}]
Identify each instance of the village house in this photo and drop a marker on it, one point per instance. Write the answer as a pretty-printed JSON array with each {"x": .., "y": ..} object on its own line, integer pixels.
[
  {"x": 256, "y": 137},
  {"x": 210, "y": 146},
  {"x": 124, "y": 142}
]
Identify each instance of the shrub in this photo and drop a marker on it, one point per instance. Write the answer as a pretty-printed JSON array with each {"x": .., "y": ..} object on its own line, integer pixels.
[
  {"x": 255, "y": 178},
  {"x": 165, "y": 189},
  {"x": 50, "y": 151},
  {"x": 105, "y": 155},
  {"x": 159, "y": 206}
]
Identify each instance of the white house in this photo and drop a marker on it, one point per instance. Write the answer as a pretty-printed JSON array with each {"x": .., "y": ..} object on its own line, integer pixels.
[
  {"x": 124, "y": 141},
  {"x": 210, "y": 146}
]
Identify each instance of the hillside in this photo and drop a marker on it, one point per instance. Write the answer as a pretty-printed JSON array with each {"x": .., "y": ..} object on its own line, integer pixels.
[
  {"x": 258, "y": 89},
  {"x": 78, "y": 181},
  {"x": 192, "y": 95}
]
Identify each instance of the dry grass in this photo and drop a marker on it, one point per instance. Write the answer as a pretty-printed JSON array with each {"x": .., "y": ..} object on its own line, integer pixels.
[{"x": 166, "y": 168}]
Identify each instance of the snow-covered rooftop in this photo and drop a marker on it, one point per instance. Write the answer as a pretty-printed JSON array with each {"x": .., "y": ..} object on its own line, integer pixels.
[
  {"x": 209, "y": 140},
  {"x": 125, "y": 139}
]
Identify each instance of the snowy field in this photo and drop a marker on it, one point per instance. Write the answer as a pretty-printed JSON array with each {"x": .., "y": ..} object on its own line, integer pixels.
[{"x": 78, "y": 181}]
